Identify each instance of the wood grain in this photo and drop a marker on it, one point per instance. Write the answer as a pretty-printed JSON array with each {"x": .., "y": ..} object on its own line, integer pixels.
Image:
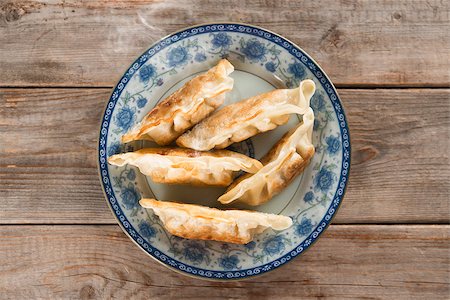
[
  {"x": 400, "y": 156},
  {"x": 90, "y": 43},
  {"x": 400, "y": 162},
  {"x": 348, "y": 262}
]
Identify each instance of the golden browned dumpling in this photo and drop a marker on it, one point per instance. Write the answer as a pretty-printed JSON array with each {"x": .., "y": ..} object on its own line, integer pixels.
[
  {"x": 244, "y": 119},
  {"x": 186, "y": 107},
  {"x": 186, "y": 166},
  {"x": 286, "y": 160},
  {"x": 204, "y": 223}
]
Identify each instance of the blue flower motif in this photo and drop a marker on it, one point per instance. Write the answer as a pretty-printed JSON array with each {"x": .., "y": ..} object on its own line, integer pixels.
[
  {"x": 131, "y": 175},
  {"x": 229, "y": 262},
  {"x": 125, "y": 118},
  {"x": 250, "y": 246},
  {"x": 160, "y": 82},
  {"x": 309, "y": 197},
  {"x": 221, "y": 40},
  {"x": 194, "y": 252},
  {"x": 273, "y": 245},
  {"x": 334, "y": 145},
  {"x": 324, "y": 180},
  {"x": 178, "y": 56},
  {"x": 254, "y": 50},
  {"x": 114, "y": 148},
  {"x": 270, "y": 66},
  {"x": 200, "y": 57},
  {"x": 141, "y": 102},
  {"x": 317, "y": 102},
  {"x": 146, "y": 73},
  {"x": 316, "y": 124},
  {"x": 130, "y": 197},
  {"x": 297, "y": 70},
  {"x": 304, "y": 228},
  {"x": 147, "y": 230}
]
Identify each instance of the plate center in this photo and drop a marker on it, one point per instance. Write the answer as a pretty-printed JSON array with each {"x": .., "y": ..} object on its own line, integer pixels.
[{"x": 245, "y": 85}]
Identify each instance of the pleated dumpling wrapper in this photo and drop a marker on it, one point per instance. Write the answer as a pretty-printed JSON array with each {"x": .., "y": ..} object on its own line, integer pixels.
[
  {"x": 286, "y": 160},
  {"x": 205, "y": 223},
  {"x": 190, "y": 104},
  {"x": 186, "y": 166},
  {"x": 244, "y": 119}
]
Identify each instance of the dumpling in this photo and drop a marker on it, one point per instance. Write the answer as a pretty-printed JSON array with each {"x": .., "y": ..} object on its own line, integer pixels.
[
  {"x": 204, "y": 223},
  {"x": 186, "y": 166},
  {"x": 186, "y": 107},
  {"x": 244, "y": 119},
  {"x": 286, "y": 160}
]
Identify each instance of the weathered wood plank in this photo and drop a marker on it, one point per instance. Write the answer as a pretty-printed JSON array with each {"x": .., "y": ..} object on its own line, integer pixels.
[
  {"x": 90, "y": 43},
  {"x": 400, "y": 156},
  {"x": 400, "y": 162},
  {"x": 400, "y": 168},
  {"x": 48, "y": 156},
  {"x": 348, "y": 262}
]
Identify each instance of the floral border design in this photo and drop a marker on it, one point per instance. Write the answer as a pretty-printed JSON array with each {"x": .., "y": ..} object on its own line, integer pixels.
[{"x": 303, "y": 226}]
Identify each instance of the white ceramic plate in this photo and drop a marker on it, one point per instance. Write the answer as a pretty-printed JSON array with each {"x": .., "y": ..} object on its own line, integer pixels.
[{"x": 263, "y": 61}]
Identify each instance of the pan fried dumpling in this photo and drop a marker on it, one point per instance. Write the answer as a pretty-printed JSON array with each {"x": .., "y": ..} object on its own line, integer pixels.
[
  {"x": 186, "y": 166},
  {"x": 186, "y": 107},
  {"x": 204, "y": 223},
  {"x": 286, "y": 160},
  {"x": 244, "y": 119}
]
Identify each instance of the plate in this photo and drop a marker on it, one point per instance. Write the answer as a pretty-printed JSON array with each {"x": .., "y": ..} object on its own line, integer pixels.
[{"x": 263, "y": 61}]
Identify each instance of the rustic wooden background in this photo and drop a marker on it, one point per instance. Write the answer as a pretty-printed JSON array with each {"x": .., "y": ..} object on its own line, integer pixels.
[{"x": 390, "y": 61}]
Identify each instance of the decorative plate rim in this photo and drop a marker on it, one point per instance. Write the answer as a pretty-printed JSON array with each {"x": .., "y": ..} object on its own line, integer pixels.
[{"x": 329, "y": 88}]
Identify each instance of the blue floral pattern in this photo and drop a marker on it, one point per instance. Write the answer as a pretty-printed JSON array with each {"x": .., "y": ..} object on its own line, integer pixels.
[
  {"x": 194, "y": 252},
  {"x": 221, "y": 40},
  {"x": 178, "y": 56},
  {"x": 141, "y": 102},
  {"x": 304, "y": 228},
  {"x": 271, "y": 67},
  {"x": 333, "y": 144},
  {"x": 146, "y": 73},
  {"x": 324, "y": 180},
  {"x": 297, "y": 70},
  {"x": 131, "y": 175},
  {"x": 318, "y": 102},
  {"x": 199, "y": 57},
  {"x": 309, "y": 197},
  {"x": 229, "y": 262},
  {"x": 130, "y": 197},
  {"x": 125, "y": 118},
  {"x": 273, "y": 245},
  {"x": 254, "y": 50},
  {"x": 147, "y": 230}
]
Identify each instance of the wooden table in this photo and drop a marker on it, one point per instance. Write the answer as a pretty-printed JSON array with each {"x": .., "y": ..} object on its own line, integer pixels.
[{"x": 390, "y": 61}]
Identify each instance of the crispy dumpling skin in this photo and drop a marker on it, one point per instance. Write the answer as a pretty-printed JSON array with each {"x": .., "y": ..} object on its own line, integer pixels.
[
  {"x": 190, "y": 104},
  {"x": 186, "y": 166},
  {"x": 205, "y": 223},
  {"x": 242, "y": 120},
  {"x": 285, "y": 161}
]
